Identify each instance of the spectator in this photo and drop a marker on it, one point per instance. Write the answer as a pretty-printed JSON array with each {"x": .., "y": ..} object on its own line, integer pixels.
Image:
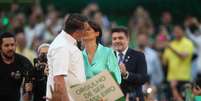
[
  {"x": 21, "y": 45},
  {"x": 154, "y": 69},
  {"x": 140, "y": 22},
  {"x": 92, "y": 10},
  {"x": 35, "y": 30},
  {"x": 178, "y": 57},
  {"x": 193, "y": 31},
  {"x": 54, "y": 25},
  {"x": 166, "y": 22}
]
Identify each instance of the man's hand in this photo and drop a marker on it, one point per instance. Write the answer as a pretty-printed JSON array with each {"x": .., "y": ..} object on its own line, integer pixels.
[
  {"x": 197, "y": 91},
  {"x": 46, "y": 70},
  {"x": 184, "y": 55},
  {"x": 195, "y": 21},
  {"x": 28, "y": 87},
  {"x": 123, "y": 69},
  {"x": 27, "y": 93},
  {"x": 181, "y": 55}
]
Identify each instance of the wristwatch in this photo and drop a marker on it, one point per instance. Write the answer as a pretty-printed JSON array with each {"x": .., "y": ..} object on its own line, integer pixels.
[{"x": 126, "y": 76}]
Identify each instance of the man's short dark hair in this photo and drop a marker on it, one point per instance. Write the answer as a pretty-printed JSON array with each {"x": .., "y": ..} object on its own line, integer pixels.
[
  {"x": 74, "y": 23},
  {"x": 120, "y": 29},
  {"x": 5, "y": 35}
]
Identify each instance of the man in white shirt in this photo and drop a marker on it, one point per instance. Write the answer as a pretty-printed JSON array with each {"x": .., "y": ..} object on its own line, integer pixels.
[{"x": 65, "y": 60}]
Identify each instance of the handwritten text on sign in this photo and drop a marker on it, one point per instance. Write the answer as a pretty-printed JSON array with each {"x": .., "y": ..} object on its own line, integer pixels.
[{"x": 101, "y": 86}]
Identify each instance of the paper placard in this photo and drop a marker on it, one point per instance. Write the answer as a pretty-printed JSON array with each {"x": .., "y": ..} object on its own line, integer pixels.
[{"x": 101, "y": 86}]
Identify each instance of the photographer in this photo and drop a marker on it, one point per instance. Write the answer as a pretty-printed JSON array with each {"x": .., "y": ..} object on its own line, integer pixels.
[
  {"x": 15, "y": 71},
  {"x": 41, "y": 72}
]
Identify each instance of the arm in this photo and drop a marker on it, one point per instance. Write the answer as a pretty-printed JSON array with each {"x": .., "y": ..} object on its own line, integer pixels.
[
  {"x": 27, "y": 83},
  {"x": 60, "y": 91},
  {"x": 185, "y": 53},
  {"x": 190, "y": 34},
  {"x": 113, "y": 67},
  {"x": 27, "y": 96},
  {"x": 60, "y": 64},
  {"x": 140, "y": 77}
]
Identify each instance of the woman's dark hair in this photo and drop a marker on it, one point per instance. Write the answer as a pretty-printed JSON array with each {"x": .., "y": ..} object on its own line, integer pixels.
[{"x": 96, "y": 28}]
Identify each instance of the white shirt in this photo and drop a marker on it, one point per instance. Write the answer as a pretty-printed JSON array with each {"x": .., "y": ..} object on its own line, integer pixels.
[
  {"x": 197, "y": 41},
  {"x": 154, "y": 68},
  {"x": 124, "y": 53},
  {"x": 64, "y": 58},
  {"x": 37, "y": 31}
]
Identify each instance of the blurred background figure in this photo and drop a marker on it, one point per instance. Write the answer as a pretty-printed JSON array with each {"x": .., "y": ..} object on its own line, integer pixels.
[
  {"x": 140, "y": 22},
  {"x": 153, "y": 63},
  {"x": 22, "y": 47},
  {"x": 53, "y": 23},
  {"x": 193, "y": 32},
  {"x": 178, "y": 58},
  {"x": 36, "y": 29},
  {"x": 92, "y": 10},
  {"x": 154, "y": 68},
  {"x": 166, "y": 21}
]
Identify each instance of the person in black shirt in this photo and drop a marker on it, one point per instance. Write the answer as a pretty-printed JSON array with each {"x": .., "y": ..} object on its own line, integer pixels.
[{"x": 13, "y": 68}]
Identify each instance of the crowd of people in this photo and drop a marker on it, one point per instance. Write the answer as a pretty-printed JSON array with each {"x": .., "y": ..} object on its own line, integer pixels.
[{"x": 150, "y": 62}]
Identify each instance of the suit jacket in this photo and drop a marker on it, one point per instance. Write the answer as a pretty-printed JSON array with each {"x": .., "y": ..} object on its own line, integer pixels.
[{"x": 136, "y": 66}]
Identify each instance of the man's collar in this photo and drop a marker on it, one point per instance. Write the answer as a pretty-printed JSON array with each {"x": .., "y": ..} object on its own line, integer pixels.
[
  {"x": 124, "y": 52},
  {"x": 69, "y": 37}
]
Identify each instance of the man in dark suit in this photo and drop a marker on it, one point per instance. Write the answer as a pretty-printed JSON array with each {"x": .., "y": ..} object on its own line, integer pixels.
[{"x": 132, "y": 65}]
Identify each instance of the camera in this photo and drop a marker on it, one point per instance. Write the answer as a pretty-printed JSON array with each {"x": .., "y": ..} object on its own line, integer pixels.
[
  {"x": 43, "y": 58},
  {"x": 193, "y": 28},
  {"x": 40, "y": 64},
  {"x": 197, "y": 82}
]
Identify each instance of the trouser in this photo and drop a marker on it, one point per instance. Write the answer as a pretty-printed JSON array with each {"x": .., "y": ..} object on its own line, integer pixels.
[{"x": 135, "y": 97}]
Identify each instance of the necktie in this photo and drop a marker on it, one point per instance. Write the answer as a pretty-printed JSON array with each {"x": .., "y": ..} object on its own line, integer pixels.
[{"x": 120, "y": 58}]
